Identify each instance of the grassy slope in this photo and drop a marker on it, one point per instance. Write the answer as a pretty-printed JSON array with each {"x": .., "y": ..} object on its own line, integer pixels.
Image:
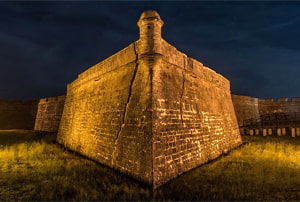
[{"x": 33, "y": 167}]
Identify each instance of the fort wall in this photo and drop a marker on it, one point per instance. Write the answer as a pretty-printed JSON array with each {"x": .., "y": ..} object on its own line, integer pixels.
[
  {"x": 267, "y": 116},
  {"x": 49, "y": 113},
  {"x": 248, "y": 107},
  {"x": 16, "y": 114},
  {"x": 149, "y": 110},
  {"x": 245, "y": 107},
  {"x": 43, "y": 114},
  {"x": 107, "y": 114},
  {"x": 286, "y": 105},
  {"x": 193, "y": 115}
]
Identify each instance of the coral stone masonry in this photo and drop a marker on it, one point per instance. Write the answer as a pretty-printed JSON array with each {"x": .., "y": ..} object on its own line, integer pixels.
[
  {"x": 258, "y": 116},
  {"x": 149, "y": 110},
  {"x": 49, "y": 113}
]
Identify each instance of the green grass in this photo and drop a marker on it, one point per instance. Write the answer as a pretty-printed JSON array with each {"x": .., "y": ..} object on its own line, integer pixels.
[{"x": 34, "y": 167}]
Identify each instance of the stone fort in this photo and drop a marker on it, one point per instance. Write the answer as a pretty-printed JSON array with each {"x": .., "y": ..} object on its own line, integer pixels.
[{"x": 149, "y": 111}]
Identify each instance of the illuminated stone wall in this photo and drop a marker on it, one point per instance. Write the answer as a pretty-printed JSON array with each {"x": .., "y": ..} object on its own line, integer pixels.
[
  {"x": 248, "y": 107},
  {"x": 193, "y": 116},
  {"x": 16, "y": 114},
  {"x": 285, "y": 105},
  {"x": 49, "y": 113},
  {"x": 107, "y": 114},
  {"x": 245, "y": 108},
  {"x": 149, "y": 110}
]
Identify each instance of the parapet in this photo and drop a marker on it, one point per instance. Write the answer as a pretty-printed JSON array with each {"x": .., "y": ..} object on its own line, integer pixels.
[
  {"x": 173, "y": 56},
  {"x": 266, "y": 100},
  {"x": 283, "y": 100},
  {"x": 53, "y": 99},
  {"x": 119, "y": 59},
  {"x": 296, "y": 99}
]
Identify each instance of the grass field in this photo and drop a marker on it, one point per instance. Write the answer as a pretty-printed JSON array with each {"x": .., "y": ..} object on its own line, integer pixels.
[{"x": 34, "y": 167}]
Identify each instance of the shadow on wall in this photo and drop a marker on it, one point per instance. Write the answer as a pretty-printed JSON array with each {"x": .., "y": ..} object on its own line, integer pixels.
[{"x": 42, "y": 115}]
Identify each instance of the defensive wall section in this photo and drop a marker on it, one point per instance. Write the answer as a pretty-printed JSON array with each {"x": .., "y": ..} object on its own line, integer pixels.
[
  {"x": 245, "y": 108},
  {"x": 43, "y": 114},
  {"x": 193, "y": 116},
  {"x": 49, "y": 113},
  {"x": 267, "y": 116},
  {"x": 107, "y": 114},
  {"x": 16, "y": 114},
  {"x": 149, "y": 110}
]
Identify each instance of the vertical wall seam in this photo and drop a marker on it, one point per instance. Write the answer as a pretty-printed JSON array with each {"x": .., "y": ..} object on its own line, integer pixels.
[
  {"x": 125, "y": 111},
  {"x": 181, "y": 96}
]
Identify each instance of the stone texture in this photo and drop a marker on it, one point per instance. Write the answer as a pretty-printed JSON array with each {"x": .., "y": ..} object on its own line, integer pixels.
[
  {"x": 193, "y": 116},
  {"x": 16, "y": 114},
  {"x": 255, "y": 108},
  {"x": 248, "y": 107},
  {"x": 245, "y": 107},
  {"x": 107, "y": 114},
  {"x": 49, "y": 113},
  {"x": 149, "y": 110}
]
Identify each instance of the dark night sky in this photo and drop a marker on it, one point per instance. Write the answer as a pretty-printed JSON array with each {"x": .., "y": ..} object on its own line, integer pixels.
[{"x": 45, "y": 45}]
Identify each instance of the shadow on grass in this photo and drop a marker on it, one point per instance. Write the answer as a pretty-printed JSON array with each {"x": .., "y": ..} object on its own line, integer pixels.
[
  {"x": 272, "y": 139},
  {"x": 10, "y": 137}
]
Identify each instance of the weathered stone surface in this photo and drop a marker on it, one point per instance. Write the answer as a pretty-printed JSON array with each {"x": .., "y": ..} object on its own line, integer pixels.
[
  {"x": 267, "y": 116},
  {"x": 16, "y": 114},
  {"x": 245, "y": 107},
  {"x": 193, "y": 116},
  {"x": 49, "y": 113},
  {"x": 248, "y": 107},
  {"x": 149, "y": 110},
  {"x": 107, "y": 114}
]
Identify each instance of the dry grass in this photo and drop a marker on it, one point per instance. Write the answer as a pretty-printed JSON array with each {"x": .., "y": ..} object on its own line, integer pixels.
[{"x": 34, "y": 167}]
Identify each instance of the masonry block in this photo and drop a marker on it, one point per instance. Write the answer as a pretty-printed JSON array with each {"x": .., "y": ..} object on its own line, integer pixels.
[
  {"x": 270, "y": 131},
  {"x": 283, "y": 131},
  {"x": 264, "y": 132},
  {"x": 298, "y": 131},
  {"x": 293, "y": 132},
  {"x": 279, "y": 131},
  {"x": 251, "y": 131}
]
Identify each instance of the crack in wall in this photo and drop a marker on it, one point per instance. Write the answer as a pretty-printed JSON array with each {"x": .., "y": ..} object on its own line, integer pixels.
[
  {"x": 181, "y": 96},
  {"x": 113, "y": 159}
]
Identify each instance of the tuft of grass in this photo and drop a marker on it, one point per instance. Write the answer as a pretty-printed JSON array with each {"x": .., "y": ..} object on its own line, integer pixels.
[{"x": 34, "y": 167}]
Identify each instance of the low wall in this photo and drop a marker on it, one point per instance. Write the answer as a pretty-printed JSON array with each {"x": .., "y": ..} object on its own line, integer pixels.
[
  {"x": 49, "y": 113},
  {"x": 267, "y": 116},
  {"x": 43, "y": 114}
]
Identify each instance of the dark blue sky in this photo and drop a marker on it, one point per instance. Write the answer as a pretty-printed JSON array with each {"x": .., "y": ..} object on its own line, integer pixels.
[{"x": 45, "y": 45}]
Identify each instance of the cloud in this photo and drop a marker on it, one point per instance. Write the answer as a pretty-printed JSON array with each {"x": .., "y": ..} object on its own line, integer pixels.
[{"x": 281, "y": 25}]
